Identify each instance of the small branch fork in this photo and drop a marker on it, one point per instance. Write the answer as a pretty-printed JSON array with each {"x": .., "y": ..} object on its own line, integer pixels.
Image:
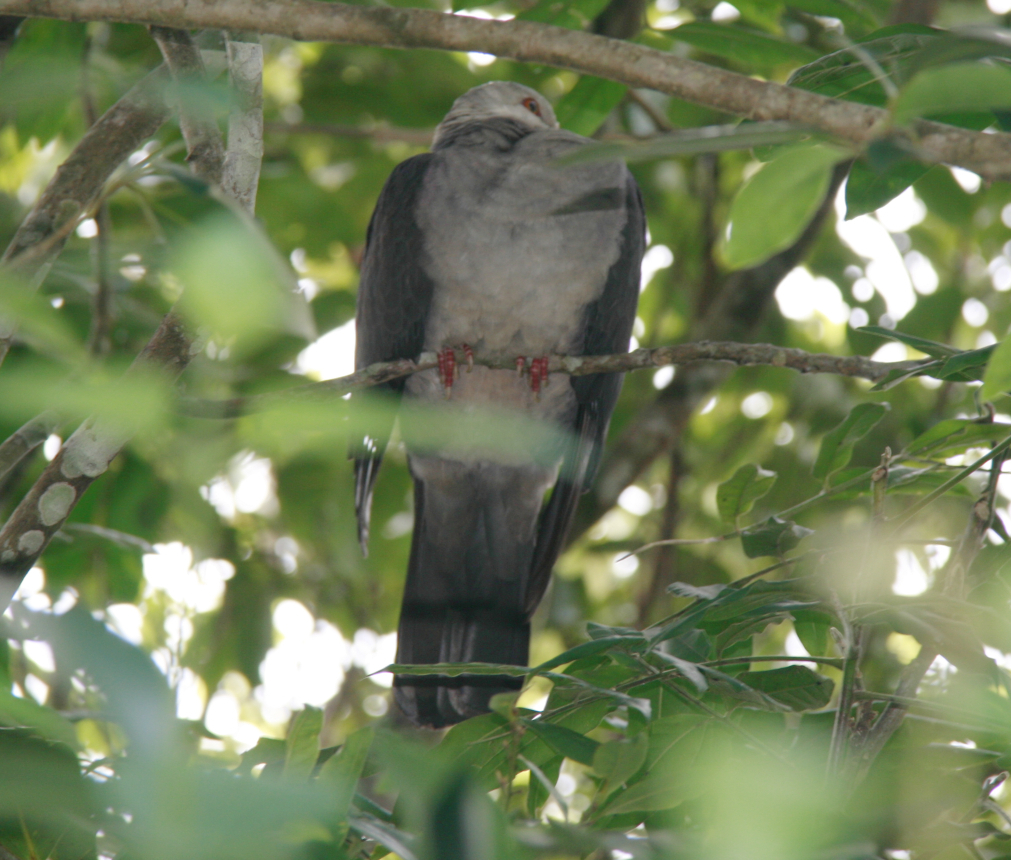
[{"x": 741, "y": 354}]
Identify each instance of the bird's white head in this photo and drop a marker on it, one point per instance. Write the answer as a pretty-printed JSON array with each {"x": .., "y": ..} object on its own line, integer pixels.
[{"x": 500, "y": 99}]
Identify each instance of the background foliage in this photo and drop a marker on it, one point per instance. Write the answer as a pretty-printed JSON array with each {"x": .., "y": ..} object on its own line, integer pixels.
[{"x": 206, "y": 623}]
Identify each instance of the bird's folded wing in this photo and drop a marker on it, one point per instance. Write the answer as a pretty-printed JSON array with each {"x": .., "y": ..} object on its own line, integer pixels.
[
  {"x": 394, "y": 296},
  {"x": 609, "y": 322}
]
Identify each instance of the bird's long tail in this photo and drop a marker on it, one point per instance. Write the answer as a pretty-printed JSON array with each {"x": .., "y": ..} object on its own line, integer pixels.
[{"x": 464, "y": 601}]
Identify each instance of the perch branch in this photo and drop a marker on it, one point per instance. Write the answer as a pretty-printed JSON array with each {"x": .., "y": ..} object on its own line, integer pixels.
[
  {"x": 740, "y": 354},
  {"x": 587, "y": 53}
]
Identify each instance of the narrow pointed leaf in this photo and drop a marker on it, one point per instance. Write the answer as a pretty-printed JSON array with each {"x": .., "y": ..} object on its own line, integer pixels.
[
  {"x": 837, "y": 446},
  {"x": 736, "y": 496}
]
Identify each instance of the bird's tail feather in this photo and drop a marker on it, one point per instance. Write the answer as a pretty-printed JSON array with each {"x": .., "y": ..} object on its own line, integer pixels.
[{"x": 464, "y": 597}]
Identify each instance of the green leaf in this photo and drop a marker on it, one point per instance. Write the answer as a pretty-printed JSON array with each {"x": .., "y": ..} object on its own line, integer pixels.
[
  {"x": 797, "y": 687},
  {"x": 689, "y": 670},
  {"x": 136, "y": 693},
  {"x": 930, "y": 347},
  {"x": 741, "y": 45},
  {"x": 813, "y": 636},
  {"x": 966, "y": 366},
  {"x": 584, "y": 108},
  {"x": 997, "y": 378},
  {"x": 671, "y": 774},
  {"x": 564, "y": 741},
  {"x": 42, "y": 68},
  {"x": 386, "y": 835},
  {"x": 772, "y": 208},
  {"x": 868, "y": 189},
  {"x": 588, "y": 649},
  {"x": 47, "y": 808},
  {"x": 904, "y": 480},
  {"x": 269, "y": 752},
  {"x": 44, "y": 722},
  {"x": 837, "y": 445},
  {"x": 302, "y": 744},
  {"x": 844, "y": 75},
  {"x": 954, "y": 435},
  {"x": 773, "y": 537},
  {"x": 344, "y": 769},
  {"x": 695, "y": 141},
  {"x": 897, "y": 377},
  {"x": 954, "y": 87},
  {"x": 736, "y": 496},
  {"x": 235, "y": 283},
  {"x": 619, "y": 760}
]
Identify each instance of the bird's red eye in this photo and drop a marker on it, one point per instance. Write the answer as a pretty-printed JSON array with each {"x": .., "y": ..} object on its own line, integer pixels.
[{"x": 530, "y": 103}]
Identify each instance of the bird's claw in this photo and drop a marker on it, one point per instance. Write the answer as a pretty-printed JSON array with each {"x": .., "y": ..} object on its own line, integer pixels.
[
  {"x": 538, "y": 373},
  {"x": 449, "y": 369}
]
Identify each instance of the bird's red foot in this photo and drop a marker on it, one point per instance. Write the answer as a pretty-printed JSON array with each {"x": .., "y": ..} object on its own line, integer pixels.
[
  {"x": 449, "y": 369},
  {"x": 538, "y": 373}
]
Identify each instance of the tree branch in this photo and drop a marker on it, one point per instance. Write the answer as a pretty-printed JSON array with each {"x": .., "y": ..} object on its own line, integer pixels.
[
  {"x": 627, "y": 62},
  {"x": 740, "y": 354},
  {"x": 204, "y": 147},
  {"x": 24, "y": 440},
  {"x": 83, "y": 457},
  {"x": 245, "y": 123},
  {"x": 79, "y": 181}
]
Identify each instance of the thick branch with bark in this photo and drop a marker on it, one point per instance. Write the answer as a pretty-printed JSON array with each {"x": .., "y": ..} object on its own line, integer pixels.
[
  {"x": 740, "y": 354},
  {"x": 632, "y": 64},
  {"x": 84, "y": 456},
  {"x": 204, "y": 147},
  {"x": 245, "y": 123},
  {"x": 24, "y": 440}
]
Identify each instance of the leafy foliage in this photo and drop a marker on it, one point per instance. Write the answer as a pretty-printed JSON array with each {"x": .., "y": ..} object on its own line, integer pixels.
[{"x": 193, "y": 670}]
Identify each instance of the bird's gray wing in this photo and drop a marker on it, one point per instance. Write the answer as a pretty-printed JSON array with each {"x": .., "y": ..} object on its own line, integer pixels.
[
  {"x": 608, "y": 327},
  {"x": 394, "y": 296}
]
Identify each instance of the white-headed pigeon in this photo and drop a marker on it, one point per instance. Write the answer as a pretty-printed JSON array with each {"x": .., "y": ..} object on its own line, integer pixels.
[{"x": 487, "y": 246}]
